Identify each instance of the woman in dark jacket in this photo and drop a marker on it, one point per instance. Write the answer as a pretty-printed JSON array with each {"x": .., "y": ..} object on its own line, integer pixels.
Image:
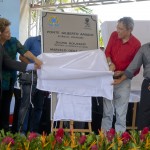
[{"x": 7, "y": 63}]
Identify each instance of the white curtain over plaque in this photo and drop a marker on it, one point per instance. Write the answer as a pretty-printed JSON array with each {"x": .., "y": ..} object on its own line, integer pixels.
[
  {"x": 77, "y": 77},
  {"x": 68, "y": 72}
]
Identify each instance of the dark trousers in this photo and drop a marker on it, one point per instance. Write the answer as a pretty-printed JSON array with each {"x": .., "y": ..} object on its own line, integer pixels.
[
  {"x": 97, "y": 113},
  {"x": 144, "y": 106},
  {"x": 45, "y": 124},
  {"x": 5, "y": 101},
  {"x": 36, "y": 112}
]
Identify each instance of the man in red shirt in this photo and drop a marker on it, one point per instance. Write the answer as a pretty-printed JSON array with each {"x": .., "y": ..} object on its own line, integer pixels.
[{"x": 120, "y": 51}]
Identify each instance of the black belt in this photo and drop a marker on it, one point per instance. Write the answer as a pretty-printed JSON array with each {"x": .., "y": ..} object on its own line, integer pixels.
[{"x": 117, "y": 77}]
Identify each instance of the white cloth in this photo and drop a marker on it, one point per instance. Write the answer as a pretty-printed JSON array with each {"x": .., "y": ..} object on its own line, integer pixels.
[
  {"x": 77, "y": 108},
  {"x": 83, "y": 73},
  {"x": 75, "y": 74},
  {"x": 135, "y": 96}
]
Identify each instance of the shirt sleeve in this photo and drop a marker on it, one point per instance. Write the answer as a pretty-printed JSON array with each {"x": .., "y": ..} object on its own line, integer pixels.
[
  {"x": 28, "y": 43},
  {"x": 30, "y": 67},
  {"x": 20, "y": 48},
  {"x": 13, "y": 64},
  {"x": 134, "y": 65},
  {"x": 109, "y": 45}
]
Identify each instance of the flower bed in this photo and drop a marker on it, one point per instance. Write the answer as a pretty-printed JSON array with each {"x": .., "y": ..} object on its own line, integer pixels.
[{"x": 61, "y": 140}]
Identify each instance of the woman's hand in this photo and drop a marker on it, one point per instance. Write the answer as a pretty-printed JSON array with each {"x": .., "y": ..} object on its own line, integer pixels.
[{"x": 38, "y": 63}]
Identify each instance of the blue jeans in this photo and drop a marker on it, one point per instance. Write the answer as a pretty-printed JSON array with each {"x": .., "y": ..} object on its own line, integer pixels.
[
  {"x": 118, "y": 105},
  {"x": 30, "y": 95}
]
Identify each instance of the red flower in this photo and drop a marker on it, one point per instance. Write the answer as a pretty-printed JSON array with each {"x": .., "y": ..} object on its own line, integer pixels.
[
  {"x": 59, "y": 135},
  {"x": 145, "y": 130},
  {"x": 32, "y": 136},
  {"x": 59, "y": 139},
  {"x": 94, "y": 147},
  {"x": 142, "y": 137},
  {"x": 125, "y": 137},
  {"x": 110, "y": 134},
  {"x": 8, "y": 140},
  {"x": 112, "y": 131},
  {"x": 144, "y": 133},
  {"x": 60, "y": 132},
  {"x": 82, "y": 139}
]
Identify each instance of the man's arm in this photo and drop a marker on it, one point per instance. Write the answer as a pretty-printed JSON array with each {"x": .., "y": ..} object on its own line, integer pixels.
[
  {"x": 24, "y": 59},
  {"x": 134, "y": 66},
  {"x": 110, "y": 64},
  {"x": 108, "y": 52},
  {"x": 29, "y": 55}
]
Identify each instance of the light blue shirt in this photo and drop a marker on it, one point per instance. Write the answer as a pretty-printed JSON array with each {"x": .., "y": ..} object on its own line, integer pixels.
[{"x": 30, "y": 67}]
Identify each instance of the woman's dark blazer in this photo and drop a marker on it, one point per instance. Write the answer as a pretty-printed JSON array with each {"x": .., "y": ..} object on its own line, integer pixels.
[{"x": 7, "y": 63}]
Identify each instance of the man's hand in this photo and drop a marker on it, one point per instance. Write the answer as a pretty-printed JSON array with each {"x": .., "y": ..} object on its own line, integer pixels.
[
  {"x": 29, "y": 55},
  {"x": 117, "y": 81},
  {"x": 112, "y": 67},
  {"x": 118, "y": 73}
]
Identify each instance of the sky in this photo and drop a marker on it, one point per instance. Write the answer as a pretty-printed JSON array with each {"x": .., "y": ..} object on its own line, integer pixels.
[{"x": 136, "y": 10}]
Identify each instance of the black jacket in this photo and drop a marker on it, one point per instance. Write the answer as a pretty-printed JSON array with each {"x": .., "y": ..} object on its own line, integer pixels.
[{"x": 7, "y": 63}]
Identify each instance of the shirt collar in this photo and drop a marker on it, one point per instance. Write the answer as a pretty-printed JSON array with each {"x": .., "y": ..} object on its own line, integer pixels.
[{"x": 129, "y": 41}]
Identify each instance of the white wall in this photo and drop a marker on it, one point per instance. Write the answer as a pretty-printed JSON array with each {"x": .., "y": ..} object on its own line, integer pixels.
[
  {"x": 24, "y": 20},
  {"x": 141, "y": 30}
]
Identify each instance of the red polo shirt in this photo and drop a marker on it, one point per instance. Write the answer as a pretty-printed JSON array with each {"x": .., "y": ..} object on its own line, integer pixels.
[{"x": 120, "y": 53}]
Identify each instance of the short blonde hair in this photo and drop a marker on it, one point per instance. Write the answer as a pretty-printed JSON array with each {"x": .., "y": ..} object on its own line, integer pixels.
[{"x": 3, "y": 24}]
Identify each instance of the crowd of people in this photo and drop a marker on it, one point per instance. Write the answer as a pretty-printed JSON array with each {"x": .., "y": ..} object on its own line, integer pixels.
[{"x": 124, "y": 55}]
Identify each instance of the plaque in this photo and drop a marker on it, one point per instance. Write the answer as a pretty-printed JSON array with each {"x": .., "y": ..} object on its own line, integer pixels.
[{"x": 65, "y": 32}]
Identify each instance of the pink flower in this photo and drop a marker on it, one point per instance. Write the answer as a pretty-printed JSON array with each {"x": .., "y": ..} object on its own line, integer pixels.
[
  {"x": 144, "y": 133},
  {"x": 112, "y": 131},
  {"x": 59, "y": 135},
  {"x": 126, "y": 137},
  {"x": 8, "y": 140},
  {"x": 94, "y": 147},
  {"x": 82, "y": 139},
  {"x": 60, "y": 132},
  {"x": 110, "y": 134},
  {"x": 145, "y": 130},
  {"x": 59, "y": 139},
  {"x": 142, "y": 137},
  {"x": 32, "y": 136}
]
